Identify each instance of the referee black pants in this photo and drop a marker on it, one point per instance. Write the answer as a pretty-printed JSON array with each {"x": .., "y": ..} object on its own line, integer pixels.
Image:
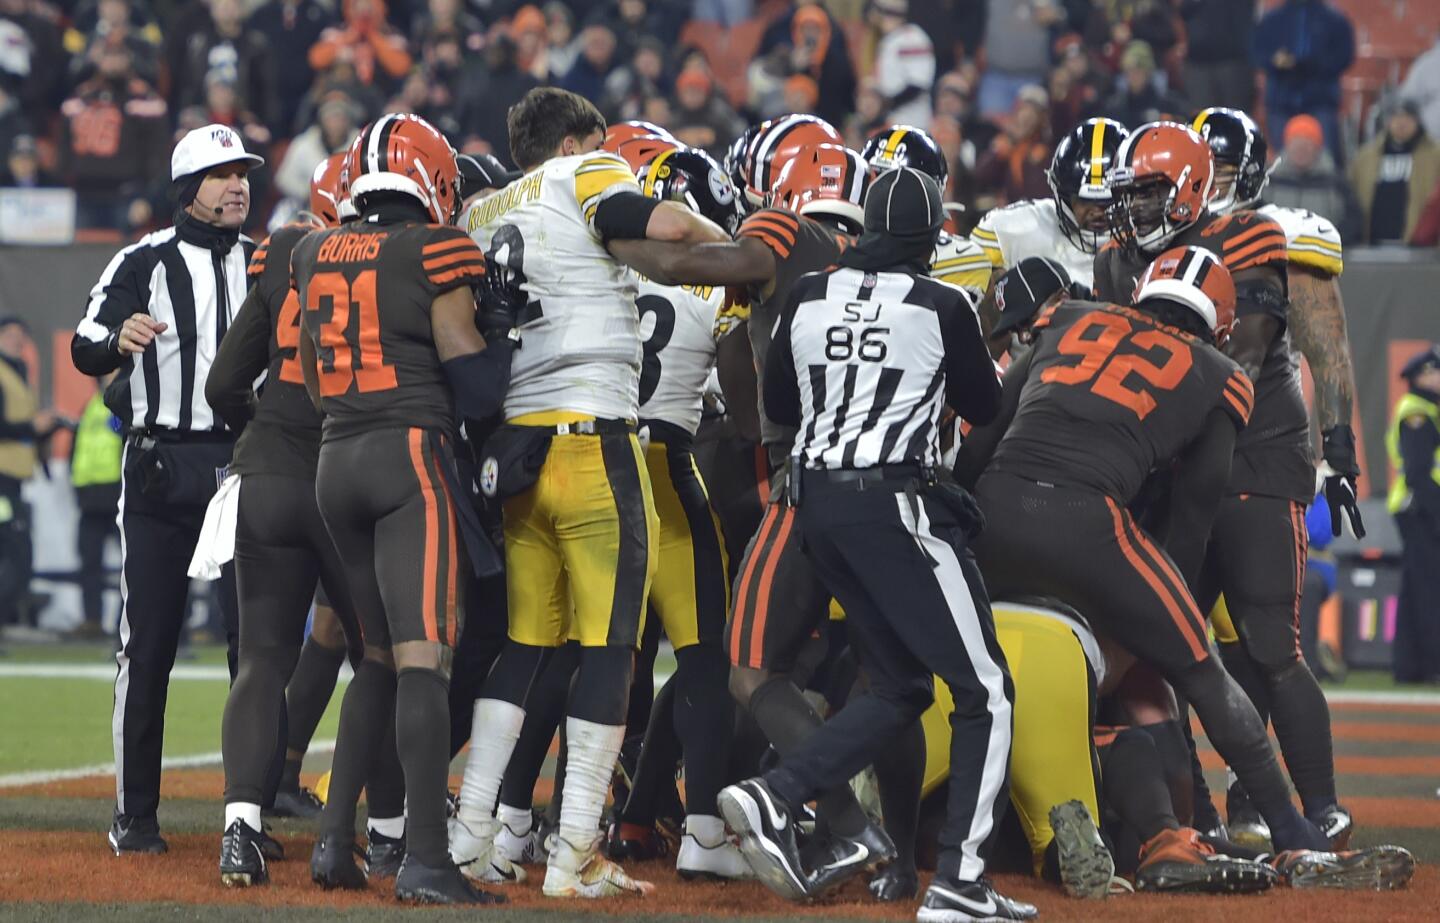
[
  {"x": 915, "y": 607},
  {"x": 157, "y": 540}
]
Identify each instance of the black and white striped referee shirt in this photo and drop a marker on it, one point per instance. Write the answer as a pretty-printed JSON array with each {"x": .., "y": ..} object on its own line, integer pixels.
[
  {"x": 191, "y": 278},
  {"x": 863, "y": 362}
]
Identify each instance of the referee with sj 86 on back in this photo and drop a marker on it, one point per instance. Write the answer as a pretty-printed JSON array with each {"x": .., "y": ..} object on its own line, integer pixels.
[
  {"x": 863, "y": 360},
  {"x": 157, "y": 316}
]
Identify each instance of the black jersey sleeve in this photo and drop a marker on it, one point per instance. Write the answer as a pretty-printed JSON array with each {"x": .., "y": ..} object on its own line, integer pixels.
[
  {"x": 1199, "y": 482},
  {"x": 782, "y": 388},
  {"x": 972, "y": 388},
  {"x": 243, "y": 354}
]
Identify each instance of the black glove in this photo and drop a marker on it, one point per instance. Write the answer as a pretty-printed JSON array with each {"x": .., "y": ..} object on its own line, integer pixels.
[
  {"x": 1338, "y": 448},
  {"x": 502, "y": 302}
]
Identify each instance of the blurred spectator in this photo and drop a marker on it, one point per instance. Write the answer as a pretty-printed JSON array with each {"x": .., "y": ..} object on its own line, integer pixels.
[
  {"x": 113, "y": 145},
  {"x": 337, "y": 121},
  {"x": 376, "y": 49},
  {"x": 530, "y": 30},
  {"x": 223, "y": 106},
  {"x": 1306, "y": 177},
  {"x": 1083, "y": 83},
  {"x": 596, "y": 61},
  {"x": 1016, "y": 160},
  {"x": 1304, "y": 46},
  {"x": 631, "y": 19},
  {"x": 429, "y": 97},
  {"x": 904, "y": 62},
  {"x": 1427, "y": 227},
  {"x": 1140, "y": 98},
  {"x": 1017, "y": 50},
  {"x": 701, "y": 118},
  {"x": 114, "y": 21},
  {"x": 13, "y": 121},
  {"x": 290, "y": 28},
  {"x": 340, "y": 78},
  {"x": 446, "y": 17},
  {"x": 563, "y": 45},
  {"x": 32, "y": 52},
  {"x": 1218, "y": 71},
  {"x": 23, "y": 425},
  {"x": 765, "y": 83},
  {"x": 869, "y": 115},
  {"x": 955, "y": 28},
  {"x": 960, "y": 154},
  {"x": 724, "y": 12},
  {"x": 1422, "y": 84},
  {"x": 95, "y": 474},
  {"x": 627, "y": 88},
  {"x": 1113, "y": 24},
  {"x": 808, "y": 40},
  {"x": 227, "y": 47},
  {"x": 22, "y": 167},
  {"x": 801, "y": 94},
  {"x": 657, "y": 111},
  {"x": 489, "y": 97},
  {"x": 1394, "y": 175}
]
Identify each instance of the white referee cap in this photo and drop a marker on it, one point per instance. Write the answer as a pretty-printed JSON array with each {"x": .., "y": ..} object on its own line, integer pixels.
[{"x": 206, "y": 148}]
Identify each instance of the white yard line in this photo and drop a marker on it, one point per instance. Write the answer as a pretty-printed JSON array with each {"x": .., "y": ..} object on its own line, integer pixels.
[
  {"x": 42, "y": 777},
  {"x": 106, "y": 672},
  {"x": 1383, "y": 697}
]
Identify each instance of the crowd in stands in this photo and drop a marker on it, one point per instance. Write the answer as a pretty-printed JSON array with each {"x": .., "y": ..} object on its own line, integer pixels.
[{"x": 94, "y": 92}]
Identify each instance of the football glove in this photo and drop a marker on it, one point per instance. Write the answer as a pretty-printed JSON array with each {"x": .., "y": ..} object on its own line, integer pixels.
[
  {"x": 1340, "y": 471},
  {"x": 502, "y": 302}
]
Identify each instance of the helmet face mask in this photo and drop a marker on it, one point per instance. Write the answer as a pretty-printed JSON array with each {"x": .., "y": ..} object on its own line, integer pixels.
[
  {"x": 1240, "y": 153},
  {"x": 1079, "y": 180},
  {"x": 1162, "y": 185}
]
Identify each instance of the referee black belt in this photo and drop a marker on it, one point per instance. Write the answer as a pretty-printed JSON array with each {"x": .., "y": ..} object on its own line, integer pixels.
[
  {"x": 180, "y": 436},
  {"x": 591, "y": 428},
  {"x": 893, "y": 476}
]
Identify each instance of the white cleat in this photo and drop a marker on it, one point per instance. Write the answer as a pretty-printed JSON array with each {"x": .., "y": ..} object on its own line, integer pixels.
[
  {"x": 475, "y": 852},
  {"x": 520, "y": 848},
  {"x": 721, "y": 862},
  {"x": 575, "y": 872}
]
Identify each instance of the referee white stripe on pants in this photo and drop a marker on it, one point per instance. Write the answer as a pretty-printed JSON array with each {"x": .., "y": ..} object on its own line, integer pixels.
[{"x": 915, "y": 607}]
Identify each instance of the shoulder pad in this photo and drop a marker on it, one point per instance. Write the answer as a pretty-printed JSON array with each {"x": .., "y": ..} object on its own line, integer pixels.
[{"x": 1312, "y": 239}]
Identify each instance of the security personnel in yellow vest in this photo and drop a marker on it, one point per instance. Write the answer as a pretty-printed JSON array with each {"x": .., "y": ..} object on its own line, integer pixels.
[
  {"x": 19, "y": 418},
  {"x": 95, "y": 475},
  {"x": 1414, "y": 446}
]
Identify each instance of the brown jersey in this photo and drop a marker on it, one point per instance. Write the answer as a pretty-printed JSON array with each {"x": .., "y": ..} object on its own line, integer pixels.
[
  {"x": 1273, "y": 455},
  {"x": 284, "y": 435},
  {"x": 1111, "y": 394},
  {"x": 365, "y": 290},
  {"x": 801, "y": 245}
]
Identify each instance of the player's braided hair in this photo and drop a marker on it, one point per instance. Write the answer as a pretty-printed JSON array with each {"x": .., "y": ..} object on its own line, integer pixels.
[{"x": 544, "y": 118}]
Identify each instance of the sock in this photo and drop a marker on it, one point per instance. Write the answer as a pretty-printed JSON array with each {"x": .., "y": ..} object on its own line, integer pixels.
[
  {"x": 517, "y": 820},
  {"x": 899, "y": 775},
  {"x": 492, "y": 739},
  {"x": 1134, "y": 781},
  {"x": 368, "y": 706},
  {"x": 707, "y": 829},
  {"x": 290, "y": 776},
  {"x": 309, "y": 691},
  {"x": 544, "y": 710},
  {"x": 385, "y": 787},
  {"x": 1301, "y": 718},
  {"x": 656, "y": 765},
  {"x": 390, "y": 827},
  {"x": 593, "y": 749},
  {"x": 242, "y": 810},
  {"x": 249, "y": 729},
  {"x": 703, "y": 720},
  {"x": 422, "y": 720}
]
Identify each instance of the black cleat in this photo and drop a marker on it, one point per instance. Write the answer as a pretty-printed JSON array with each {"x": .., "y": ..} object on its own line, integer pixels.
[
  {"x": 139, "y": 835},
  {"x": 420, "y": 884},
  {"x": 895, "y": 882},
  {"x": 383, "y": 855},
  {"x": 273, "y": 849},
  {"x": 332, "y": 864},
  {"x": 842, "y": 857},
  {"x": 1337, "y": 825},
  {"x": 242, "y": 858},
  {"x": 767, "y": 836},
  {"x": 950, "y": 901},
  {"x": 302, "y": 803}
]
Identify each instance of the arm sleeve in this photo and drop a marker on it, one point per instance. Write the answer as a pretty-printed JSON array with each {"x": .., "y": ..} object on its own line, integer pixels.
[
  {"x": 782, "y": 387},
  {"x": 971, "y": 388},
  {"x": 450, "y": 259},
  {"x": 624, "y": 216},
  {"x": 1417, "y": 454},
  {"x": 980, "y": 443},
  {"x": 123, "y": 290},
  {"x": 243, "y": 354},
  {"x": 1199, "y": 482}
]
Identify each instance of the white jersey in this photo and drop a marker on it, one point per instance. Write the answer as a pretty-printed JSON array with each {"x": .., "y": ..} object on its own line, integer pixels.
[
  {"x": 677, "y": 324},
  {"x": 960, "y": 261},
  {"x": 580, "y": 331},
  {"x": 1031, "y": 228},
  {"x": 1310, "y": 239}
]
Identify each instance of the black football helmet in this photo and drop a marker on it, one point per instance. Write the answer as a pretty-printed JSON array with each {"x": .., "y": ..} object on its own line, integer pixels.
[
  {"x": 906, "y": 146},
  {"x": 737, "y": 160},
  {"x": 1078, "y": 170},
  {"x": 1235, "y": 141},
  {"x": 692, "y": 177}
]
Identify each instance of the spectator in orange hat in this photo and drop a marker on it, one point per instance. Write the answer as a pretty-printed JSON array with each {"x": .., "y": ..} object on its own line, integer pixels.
[
  {"x": 801, "y": 93},
  {"x": 530, "y": 31},
  {"x": 814, "y": 44},
  {"x": 701, "y": 118},
  {"x": 1306, "y": 177},
  {"x": 378, "y": 50}
]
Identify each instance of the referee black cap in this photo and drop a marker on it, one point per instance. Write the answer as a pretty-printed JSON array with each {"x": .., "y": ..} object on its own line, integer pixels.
[
  {"x": 479, "y": 172},
  {"x": 904, "y": 203},
  {"x": 1430, "y": 358},
  {"x": 1024, "y": 288}
]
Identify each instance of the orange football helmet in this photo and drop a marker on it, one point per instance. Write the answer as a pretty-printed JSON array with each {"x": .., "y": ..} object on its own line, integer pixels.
[
  {"x": 640, "y": 150},
  {"x": 621, "y": 132},
  {"x": 1162, "y": 182},
  {"x": 827, "y": 179},
  {"x": 404, "y": 153},
  {"x": 776, "y": 143},
  {"x": 325, "y": 195},
  {"x": 1196, "y": 278}
]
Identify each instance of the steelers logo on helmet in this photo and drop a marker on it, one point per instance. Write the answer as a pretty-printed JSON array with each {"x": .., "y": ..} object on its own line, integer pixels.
[
  {"x": 1162, "y": 180},
  {"x": 1078, "y": 177},
  {"x": 692, "y": 177},
  {"x": 1238, "y": 145},
  {"x": 906, "y": 146}
]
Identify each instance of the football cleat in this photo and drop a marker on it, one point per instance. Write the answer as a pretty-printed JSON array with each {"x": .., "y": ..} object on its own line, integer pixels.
[
  {"x": 895, "y": 882},
  {"x": 1086, "y": 866},
  {"x": 767, "y": 836},
  {"x": 302, "y": 803},
  {"x": 473, "y": 850},
  {"x": 242, "y": 860},
  {"x": 272, "y": 848},
  {"x": 383, "y": 855},
  {"x": 332, "y": 863},
  {"x": 1180, "y": 861},
  {"x": 635, "y": 843},
  {"x": 950, "y": 901},
  {"x": 139, "y": 835},
  {"x": 1379, "y": 868},
  {"x": 842, "y": 858},
  {"x": 420, "y": 884},
  {"x": 1244, "y": 823},
  {"x": 575, "y": 872},
  {"x": 1337, "y": 825},
  {"x": 522, "y": 848},
  {"x": 721, "y": 861}
]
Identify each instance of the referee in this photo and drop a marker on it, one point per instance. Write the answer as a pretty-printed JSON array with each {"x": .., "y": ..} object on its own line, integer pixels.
[
  {"x": 863, "y": 360},
  {"x": 157, "y": 315}
]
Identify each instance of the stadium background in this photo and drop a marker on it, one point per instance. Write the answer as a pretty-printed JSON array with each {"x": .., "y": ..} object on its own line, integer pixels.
[{"x": 463, "y": 64}]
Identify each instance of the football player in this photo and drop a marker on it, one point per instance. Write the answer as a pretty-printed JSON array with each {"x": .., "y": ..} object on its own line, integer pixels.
[
  {"x": 579, "y": 517},
  {"x": 1258, "y": 626}
]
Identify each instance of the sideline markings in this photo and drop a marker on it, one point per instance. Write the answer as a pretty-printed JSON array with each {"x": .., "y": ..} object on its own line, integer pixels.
[{"x": 43, "y": 777}]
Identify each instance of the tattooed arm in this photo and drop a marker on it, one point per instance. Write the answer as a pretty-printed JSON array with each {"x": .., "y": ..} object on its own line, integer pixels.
[{"x": 1317, "y": 327}]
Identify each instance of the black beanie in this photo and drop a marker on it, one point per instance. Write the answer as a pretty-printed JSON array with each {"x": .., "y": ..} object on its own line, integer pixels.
[{"x": 904, "y": 203}]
